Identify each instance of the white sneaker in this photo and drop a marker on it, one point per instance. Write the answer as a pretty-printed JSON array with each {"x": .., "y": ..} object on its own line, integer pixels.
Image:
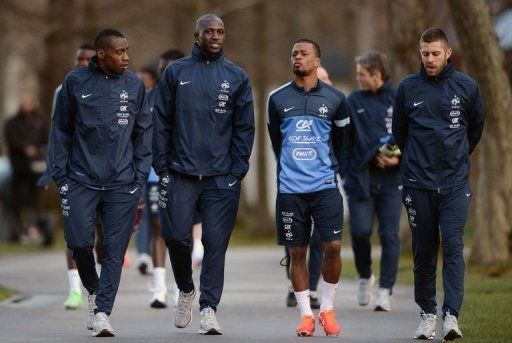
[
  {"x": 383, "y": 301},
  {"x": 427, "y": 327},
  {"x": 101, "y": 326},
  {"x": 144, "y": 264},
  {"x": 183, "y": 312},
  {"x": 208, "y": 324},
  {"x": 451, "y": 327},
  {"x": 175, "y": 294},
  {"x": 364, "y": 294},
  {"x": 91, "y": 306}
]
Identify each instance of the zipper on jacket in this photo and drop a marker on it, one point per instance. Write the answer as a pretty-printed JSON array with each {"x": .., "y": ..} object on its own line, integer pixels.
[{"x": 104, "y": 124}]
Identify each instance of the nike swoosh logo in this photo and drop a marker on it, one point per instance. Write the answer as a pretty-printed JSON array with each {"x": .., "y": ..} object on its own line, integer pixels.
[
  {"x": 131, "y": 192},
  {"x": 335, "y": 232},
  {"x": 418, "y": 103},
  {"x": 468, "y": 194},
  {"x": 86, "y": 96},
  {"x": 288, "y": 109},
  {"x": 184, "y": 83},
  {"x": 361, "y": 110},
  {"x": 232, "y": 183}
]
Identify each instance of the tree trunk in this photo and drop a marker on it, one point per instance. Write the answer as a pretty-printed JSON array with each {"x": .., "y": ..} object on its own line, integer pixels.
[{"x": 485, "y": 62}]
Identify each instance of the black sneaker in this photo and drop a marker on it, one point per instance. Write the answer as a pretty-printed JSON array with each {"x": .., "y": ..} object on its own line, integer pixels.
[
  {"x": 314, "y": 302},
  {"x": 291, "y": 301}
]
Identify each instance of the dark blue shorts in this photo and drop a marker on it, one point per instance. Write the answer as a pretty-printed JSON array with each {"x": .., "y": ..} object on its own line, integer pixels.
[{"x": 294, "y": 213}]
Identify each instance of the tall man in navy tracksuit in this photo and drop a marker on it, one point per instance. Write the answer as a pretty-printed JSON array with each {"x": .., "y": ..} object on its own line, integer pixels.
[
  {"x": 101, "y": 141},
  {"x": 372, "y": 179},
  {"x": 307, "y": 123},
  {"x": 438, "y": 120},
  {"x": 204, "y": 131}
]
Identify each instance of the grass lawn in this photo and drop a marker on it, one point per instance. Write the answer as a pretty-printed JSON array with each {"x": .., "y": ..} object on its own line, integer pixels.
[
  {"x": 486, "y": 314},
  {"x": 5, "y": 293}
]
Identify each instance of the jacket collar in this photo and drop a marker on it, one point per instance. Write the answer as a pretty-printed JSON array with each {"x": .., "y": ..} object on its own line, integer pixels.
[
  {"x": 95, "y": 67},
  {"x": 318, "y": 86},
  {"x": 386, "y": 87},
  {"x": 200, "y": 55},
  {"x": 445, "y": 73}
]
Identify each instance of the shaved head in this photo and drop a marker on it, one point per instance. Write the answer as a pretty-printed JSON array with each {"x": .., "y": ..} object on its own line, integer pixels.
[{"x": 206, "y": 19}]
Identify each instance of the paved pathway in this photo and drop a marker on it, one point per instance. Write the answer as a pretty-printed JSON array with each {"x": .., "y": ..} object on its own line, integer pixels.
[{"x": 252, "y": 309}]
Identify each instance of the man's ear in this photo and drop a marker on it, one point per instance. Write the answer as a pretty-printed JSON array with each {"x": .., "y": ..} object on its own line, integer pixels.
[
  {"x": 196, "y": 36},
  {"x": 449, "y": 52},
  {"x": 101, "y": 54}
]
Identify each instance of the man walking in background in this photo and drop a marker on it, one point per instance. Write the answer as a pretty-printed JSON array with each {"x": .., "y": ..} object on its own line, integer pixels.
[{"x": 438, "y": 120}]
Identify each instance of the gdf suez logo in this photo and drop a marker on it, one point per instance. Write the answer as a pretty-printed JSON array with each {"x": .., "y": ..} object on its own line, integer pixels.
[{"x": 304, "y": 125}]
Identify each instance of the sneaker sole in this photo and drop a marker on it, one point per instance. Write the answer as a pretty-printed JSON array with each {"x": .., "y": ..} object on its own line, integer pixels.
[
  {"x": 69, "y": 307},
  {"x": 143, "y": 269},
  {"x": 425, "y": 337},
  {"x": 304, "y": 334},
  {"x": 103, "y": 333},
  {"x": 451, "y": 335},
  {"x": 211, "y": 332},
  {"x": 158, "y": 304},
  {"x": 184, "y": 326},
  {"x": 381, "y": 309}
]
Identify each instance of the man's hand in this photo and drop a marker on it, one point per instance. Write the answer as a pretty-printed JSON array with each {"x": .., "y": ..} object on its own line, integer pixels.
[
  {"x": 31, "y": 151},
  {"x": 384, "y": 161}
]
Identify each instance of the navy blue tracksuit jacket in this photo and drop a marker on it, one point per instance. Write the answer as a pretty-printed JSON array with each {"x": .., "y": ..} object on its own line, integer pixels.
[
  {"x": 101, "y": 137},
  {"x": 209, "y": 130},
  {"x": 437, "y": 123}
]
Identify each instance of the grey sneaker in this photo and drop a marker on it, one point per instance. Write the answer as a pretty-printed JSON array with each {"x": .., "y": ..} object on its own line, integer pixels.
[
  {"x": 101, "y": 326},
  {"x": 183, "y": 314},
  {"x": 451, "y": 328},
  {"x": 364, "y": 293},
  {"x": 383, "y": 301},
  {"x": 208, "y": 324},
  {"x": 427, "y": 327},
  {"x": 91, "y": 306}
]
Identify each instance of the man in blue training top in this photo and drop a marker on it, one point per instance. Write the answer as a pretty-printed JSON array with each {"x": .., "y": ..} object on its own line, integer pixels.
[
  {"x": 438, "y": 120},
  {"x": 372, "y": 179},
  {"x": 307, "y": 123}
]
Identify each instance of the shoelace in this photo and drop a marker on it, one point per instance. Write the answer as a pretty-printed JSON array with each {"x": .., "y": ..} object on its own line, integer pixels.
[
  {"x": 184, "y": 299},
  {"x": 102, "y": 317},
  {"x": 425, "y": 321},
  {"x": 451, "y": 319},
  {"x": 92, "y": 303},
  {"x": 209, "y": 316}
]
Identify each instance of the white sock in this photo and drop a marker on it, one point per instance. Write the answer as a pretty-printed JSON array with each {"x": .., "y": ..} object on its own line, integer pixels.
[
  {"x": 328, "y": 293},
  {"x": 303, "y": 302},
  {"x": 159, "y": 279},
  {"x": 198, "y": 250},
  {"x": 98, "y": 269},
  {"x": 74, "y": 281}
]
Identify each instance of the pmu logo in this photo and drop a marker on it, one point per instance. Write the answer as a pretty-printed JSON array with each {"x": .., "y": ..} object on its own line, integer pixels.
[
  {"x": 323, "y": 109},
  {"x": 123, "y": 95},
  {"x": 304, "y": 154},
  {"x": 304, "y": 125}
]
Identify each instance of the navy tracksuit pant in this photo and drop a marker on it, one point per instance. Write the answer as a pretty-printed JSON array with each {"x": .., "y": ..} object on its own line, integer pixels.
[
  {"x": 385, "y": 202},
  {"x": 80, "y": 206},
  {"x": 216, "y": 198},
  {"x": 431, "y": 212}
]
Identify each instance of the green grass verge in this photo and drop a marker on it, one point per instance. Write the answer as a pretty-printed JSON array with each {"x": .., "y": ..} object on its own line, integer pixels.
[
  {"x": 487, "y": 307},
  {"x": 5, "y": 293}
]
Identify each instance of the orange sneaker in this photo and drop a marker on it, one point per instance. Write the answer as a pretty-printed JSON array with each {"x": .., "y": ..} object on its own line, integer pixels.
[
  {"x": 306, "y": 326},
  {"x": 327, "y": 320}
]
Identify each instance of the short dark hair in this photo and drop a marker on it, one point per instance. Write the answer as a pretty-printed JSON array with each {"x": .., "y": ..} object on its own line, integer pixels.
[
  {"x": 86, "y": 46},
  {"x": 434, "y": 34},
  {"x": 101, "y": 39},
  {"x": 172, "y": 55},
  {"x": 316, "y": 47},
  {"x": 151, "y": 71},
  {"x": 374, "y": 61}
]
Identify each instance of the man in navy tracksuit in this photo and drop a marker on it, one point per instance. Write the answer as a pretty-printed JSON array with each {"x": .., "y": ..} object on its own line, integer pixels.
[
  {"x": 101, "y": 143},
  {"x": 204, "y": 131},
  {"x": 307, "y": 124},
  {"x": 372, "y": 179},
  {"x": 438, "y": 120}
]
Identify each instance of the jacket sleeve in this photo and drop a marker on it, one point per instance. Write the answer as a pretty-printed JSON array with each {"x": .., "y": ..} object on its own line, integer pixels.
[
  {"x": 400, "y": 124},
  {"x": 243, "y": 130},
  {"x": 346, "y": 153},
  {"x": 62, "y": 131},
  {"x": 476, "y": 118},
  {"x": 163, "y": 121},
  {"x": 340, "y": 134},
  {"x": 274, "y": 127},
  {"x": 142, "y": 136}
]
